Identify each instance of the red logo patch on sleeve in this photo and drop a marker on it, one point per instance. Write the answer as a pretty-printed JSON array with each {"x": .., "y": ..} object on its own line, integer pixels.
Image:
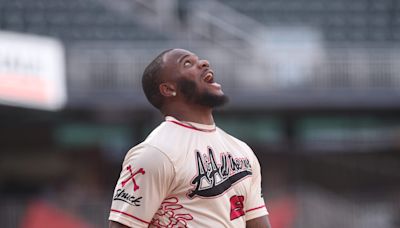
[
  {"x": 132, "y": 177},
  {"x": 237, "y": 206}
]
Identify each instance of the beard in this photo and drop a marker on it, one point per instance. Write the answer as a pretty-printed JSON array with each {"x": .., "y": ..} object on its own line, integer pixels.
[{"x": 189, "y": 89}]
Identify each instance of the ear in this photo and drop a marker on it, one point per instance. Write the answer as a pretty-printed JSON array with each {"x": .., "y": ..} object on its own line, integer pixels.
[{"x": 167, "y": 89}]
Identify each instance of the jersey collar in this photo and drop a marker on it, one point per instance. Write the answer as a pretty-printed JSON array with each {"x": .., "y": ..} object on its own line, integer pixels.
[{"x": 191, "y": 125}]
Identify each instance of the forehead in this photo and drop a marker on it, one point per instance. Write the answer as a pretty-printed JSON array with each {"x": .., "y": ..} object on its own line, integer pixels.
[{"x": 174, "y": 55}]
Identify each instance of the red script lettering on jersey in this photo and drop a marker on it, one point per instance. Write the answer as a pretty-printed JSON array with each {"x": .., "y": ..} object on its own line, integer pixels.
[{"x": 132, "y": 177}]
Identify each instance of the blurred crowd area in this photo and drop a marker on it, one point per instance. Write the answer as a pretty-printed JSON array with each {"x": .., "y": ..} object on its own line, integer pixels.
[{"x": 314, "y": 89}]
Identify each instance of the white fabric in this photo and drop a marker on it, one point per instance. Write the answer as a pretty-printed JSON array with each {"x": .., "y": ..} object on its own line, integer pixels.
[{"x": 188, "y": 175}]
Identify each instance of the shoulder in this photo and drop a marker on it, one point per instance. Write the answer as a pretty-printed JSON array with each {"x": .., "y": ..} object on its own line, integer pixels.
[
  {"x": 160, "y": 138},
  {"x": 162, "y": 135},
  {"x": 147, "y": 155},
  {"x": 163, "y": 143},
  {"x": 170, "y": 139}
]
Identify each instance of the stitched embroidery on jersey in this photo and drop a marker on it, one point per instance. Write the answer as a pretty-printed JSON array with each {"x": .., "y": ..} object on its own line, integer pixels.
[
  {"x": 171, "y": 214},
  {"x": 213, "y": 179}
]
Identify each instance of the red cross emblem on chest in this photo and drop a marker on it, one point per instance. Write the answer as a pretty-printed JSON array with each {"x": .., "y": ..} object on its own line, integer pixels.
[{"x": 132, "y": 177}]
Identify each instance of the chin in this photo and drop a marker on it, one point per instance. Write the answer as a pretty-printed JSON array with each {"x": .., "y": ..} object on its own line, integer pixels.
[{"x": 212, "y": 100}]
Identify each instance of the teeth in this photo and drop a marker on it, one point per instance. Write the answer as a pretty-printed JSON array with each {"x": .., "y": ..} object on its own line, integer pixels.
[{"x": 208, "y": 77}]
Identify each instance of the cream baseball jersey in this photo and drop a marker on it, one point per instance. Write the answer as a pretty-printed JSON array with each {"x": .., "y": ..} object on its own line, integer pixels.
[{"x": 188, "y": 175}]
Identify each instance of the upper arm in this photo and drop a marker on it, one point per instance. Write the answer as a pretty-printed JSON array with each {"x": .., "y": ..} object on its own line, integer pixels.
[
  {"x": 145, "y": 180},
  {"x": 260, "y": 222}
]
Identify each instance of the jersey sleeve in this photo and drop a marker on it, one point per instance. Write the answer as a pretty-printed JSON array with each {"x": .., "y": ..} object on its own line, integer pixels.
[
  {"x": 255, "y": 205},
  {"x": 144, "y": 182}
]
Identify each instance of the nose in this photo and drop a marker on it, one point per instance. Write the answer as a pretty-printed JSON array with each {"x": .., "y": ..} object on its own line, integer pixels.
[{"x": 204, "y": 63}]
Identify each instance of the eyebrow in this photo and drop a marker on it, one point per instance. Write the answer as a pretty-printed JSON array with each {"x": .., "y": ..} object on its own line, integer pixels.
[{"x": 182, "y": 57}]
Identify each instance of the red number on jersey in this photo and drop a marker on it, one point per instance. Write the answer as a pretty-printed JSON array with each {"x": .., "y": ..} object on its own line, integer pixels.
[{"x": 237, "y": 206}]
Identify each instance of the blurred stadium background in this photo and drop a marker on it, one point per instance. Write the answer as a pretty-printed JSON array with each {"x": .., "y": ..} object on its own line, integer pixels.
[{"x": 314, "y": 88}]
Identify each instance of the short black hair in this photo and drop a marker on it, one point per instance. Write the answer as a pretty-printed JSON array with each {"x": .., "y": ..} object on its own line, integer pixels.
[{"x": 151, "y": 79}]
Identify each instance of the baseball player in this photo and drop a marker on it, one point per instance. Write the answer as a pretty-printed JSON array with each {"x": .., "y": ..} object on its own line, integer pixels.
[{"x": 187, "y": 172}]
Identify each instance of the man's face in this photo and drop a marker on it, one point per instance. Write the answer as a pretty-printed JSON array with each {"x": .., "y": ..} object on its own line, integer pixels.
[{"x": 194, "y": 78}]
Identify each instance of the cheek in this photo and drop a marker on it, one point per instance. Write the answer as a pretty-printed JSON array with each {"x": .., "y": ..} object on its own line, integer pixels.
[
  {"x": 187, "y": 86},
  {"x": 190, "y": 73}
]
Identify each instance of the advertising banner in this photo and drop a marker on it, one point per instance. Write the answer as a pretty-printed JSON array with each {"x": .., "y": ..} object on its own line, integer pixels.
[{"x": 32, "y": 71}]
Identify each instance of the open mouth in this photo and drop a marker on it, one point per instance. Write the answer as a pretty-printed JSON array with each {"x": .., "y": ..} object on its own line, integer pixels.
[{"x": 209, "y": 77}]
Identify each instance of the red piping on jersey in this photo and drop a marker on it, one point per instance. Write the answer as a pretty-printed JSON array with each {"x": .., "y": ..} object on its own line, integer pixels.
[
  {"x": 191, "y": 127},
  {"x": 252, "y": 209},
  {"x": 124, "y": 213}
]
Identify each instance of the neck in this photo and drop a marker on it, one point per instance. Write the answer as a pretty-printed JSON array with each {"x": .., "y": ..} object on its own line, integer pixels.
[{"x": 196, "y": 114}]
